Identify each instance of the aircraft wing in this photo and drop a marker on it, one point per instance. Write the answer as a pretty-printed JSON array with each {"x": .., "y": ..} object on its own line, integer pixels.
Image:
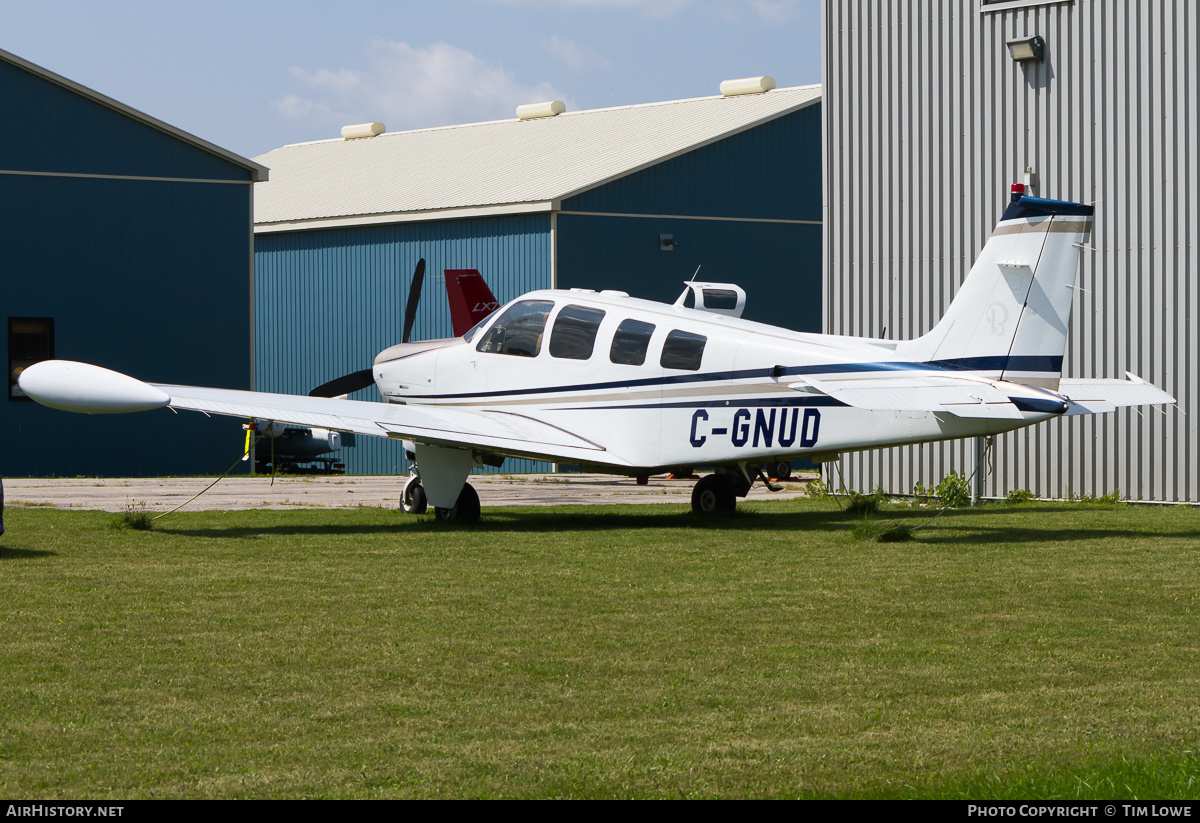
[
  {"x": 1096, "y": 396},
  {"x": 80, "y": 387},
  {"x": 961, "y": 396},
  {"x": 497, "y": 431}
]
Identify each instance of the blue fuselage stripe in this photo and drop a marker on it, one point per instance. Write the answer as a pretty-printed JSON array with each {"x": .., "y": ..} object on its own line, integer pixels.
[
  {"x": 741, "y": 403},
  {"x": 1031, "y": 363}
]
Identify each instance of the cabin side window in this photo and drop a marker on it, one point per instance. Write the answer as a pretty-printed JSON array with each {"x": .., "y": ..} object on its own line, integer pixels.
[
  {"x": 725, "y": 299},
  {"x": 630, "y": 343},
  {"x": 518, "y": 331},
  {"x": 574, "y": 334},
  {"x": 683, "y": 350}
]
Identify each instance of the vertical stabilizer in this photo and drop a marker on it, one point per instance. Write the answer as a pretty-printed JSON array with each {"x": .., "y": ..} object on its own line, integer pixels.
[
  {"x": 1010, "y": 317},
  {"x": 470, "y": 299}
]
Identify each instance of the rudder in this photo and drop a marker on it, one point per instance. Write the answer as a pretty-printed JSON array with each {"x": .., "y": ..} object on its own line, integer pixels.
[{"x": 1009, "y": 319}]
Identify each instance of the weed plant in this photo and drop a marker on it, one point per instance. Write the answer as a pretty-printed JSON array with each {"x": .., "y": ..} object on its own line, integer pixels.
[{"x": 133, "y": 517}]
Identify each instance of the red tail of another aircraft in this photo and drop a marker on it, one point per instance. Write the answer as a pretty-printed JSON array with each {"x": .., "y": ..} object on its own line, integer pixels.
[{"x": 470, "y": 299}]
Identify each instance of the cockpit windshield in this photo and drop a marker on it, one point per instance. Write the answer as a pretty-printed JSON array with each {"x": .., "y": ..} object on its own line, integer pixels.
[{"x": 475, "y": 329}]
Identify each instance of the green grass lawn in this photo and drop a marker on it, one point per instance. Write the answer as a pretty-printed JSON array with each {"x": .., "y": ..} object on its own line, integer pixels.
[{"x": 1029, "y": 651}]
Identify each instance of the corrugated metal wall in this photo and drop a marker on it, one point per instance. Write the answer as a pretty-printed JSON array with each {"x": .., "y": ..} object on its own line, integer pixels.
[
  {"x": 927, "y": 123},
  {"x": 327, "y": 301},
  {"x": 746, "y": 210},
  {"x": 141, "y": 271}
]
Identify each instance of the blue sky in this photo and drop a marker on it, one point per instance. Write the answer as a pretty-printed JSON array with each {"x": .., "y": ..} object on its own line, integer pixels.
[{"x": 252, "y": 76}]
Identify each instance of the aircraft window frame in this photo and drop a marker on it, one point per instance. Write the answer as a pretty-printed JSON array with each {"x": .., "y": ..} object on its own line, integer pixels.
[
  {"x": 30, "y": 341},
  {"x": 519, "y": 330},
  {"x": 474, "y": 330},
  {"x": 635, "y": 343},
  {"x": 573, "y": 336},
  {"x": 683, "y": 350}
]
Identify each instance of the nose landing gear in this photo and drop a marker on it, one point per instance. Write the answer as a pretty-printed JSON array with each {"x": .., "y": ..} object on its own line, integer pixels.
[{"x": 412, "y": 499}]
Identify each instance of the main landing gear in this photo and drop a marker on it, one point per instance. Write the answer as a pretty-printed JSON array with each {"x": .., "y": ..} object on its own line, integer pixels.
[
  {"x": 465, "y": 510},
  {"x": 717, "y": 493},
  {"x": 714, "y": 493}
]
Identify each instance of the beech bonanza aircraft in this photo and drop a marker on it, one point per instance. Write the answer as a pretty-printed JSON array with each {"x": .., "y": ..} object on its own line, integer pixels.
[{"x": 633, "y": 387}]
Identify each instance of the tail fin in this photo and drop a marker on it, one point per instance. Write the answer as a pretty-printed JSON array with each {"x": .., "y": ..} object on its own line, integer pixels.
[
  {"x": 470, "y": 299},
  {"x": 1010, "y": 318}
]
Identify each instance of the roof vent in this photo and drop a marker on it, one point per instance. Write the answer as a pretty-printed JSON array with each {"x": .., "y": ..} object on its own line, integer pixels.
[
  {"x": 532, "y": 111},
  {"x": 362, "y": 130},
  {"x": 747, "y": 85}
]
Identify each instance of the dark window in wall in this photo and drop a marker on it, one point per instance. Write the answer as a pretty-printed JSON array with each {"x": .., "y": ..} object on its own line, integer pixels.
[
  {"x": 30, "y": 340},
  {"x": 574, "y": 334},
  {"x": 683, "y": 350},
  {"x": 630, "y": 343}
]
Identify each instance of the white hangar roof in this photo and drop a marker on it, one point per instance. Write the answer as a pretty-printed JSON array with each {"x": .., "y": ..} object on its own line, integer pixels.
[{"x": 506, "y": 166}]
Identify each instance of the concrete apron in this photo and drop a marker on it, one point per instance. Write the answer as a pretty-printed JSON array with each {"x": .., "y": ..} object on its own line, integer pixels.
[{"x": 302, "y": 492}]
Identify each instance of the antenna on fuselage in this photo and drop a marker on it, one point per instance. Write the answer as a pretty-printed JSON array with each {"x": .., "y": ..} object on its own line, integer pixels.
[{"x": 697, "y": 271}]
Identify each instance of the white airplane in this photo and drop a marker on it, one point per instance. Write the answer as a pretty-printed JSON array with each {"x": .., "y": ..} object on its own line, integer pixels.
[{"x": 633, "y": 387}]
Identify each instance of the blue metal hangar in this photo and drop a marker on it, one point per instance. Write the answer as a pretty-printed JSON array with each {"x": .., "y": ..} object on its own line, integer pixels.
[
  {"x": 126, "y": 243},
  {"x": 633, "y": 198}
]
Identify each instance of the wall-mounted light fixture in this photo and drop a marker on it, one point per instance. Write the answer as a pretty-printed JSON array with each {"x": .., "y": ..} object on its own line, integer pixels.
[
  {"x": 666, "y": 242},
  {"x": 1026, "y": 48}
]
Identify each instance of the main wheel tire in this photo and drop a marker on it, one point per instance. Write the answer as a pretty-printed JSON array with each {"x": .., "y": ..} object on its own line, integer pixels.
[
  {"x": 780, "y": 471},
  {"x": 413, "y": 499},
  {"x": 465, "y": 510},
  {"x": 713, "y": 494}
]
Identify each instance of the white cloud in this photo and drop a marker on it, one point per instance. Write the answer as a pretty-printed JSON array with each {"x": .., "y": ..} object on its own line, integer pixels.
[
  {"x": 649, "y": 8},
  {"x": 773, "y": 11},
  {"x": 294, "y": 107},
  {"x": 574, "y": 56},
  {"x": 409, "y": 87}
]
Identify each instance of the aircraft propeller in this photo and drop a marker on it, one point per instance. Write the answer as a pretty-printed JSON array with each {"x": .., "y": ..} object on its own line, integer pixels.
[
  {"x": 414, "y": 300},
  {"x": 364, "y": 378}
]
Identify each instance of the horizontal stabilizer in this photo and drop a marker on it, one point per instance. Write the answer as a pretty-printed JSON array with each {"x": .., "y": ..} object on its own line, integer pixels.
[
  {"x": 1097, "y": 396},
  {"x": 959, "y": 396}
]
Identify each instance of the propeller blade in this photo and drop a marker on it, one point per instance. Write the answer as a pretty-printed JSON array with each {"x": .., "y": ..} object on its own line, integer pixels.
[
  {"x": 345, "y": 384},
  {"x": 414, "y": 300},
  {"x": 362, "y": 379}
]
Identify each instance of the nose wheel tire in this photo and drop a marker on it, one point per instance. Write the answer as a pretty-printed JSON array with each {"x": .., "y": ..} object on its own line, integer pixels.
[
  {"x": 465, "y": 510},
  {"x": 713, "y": 494},
  {"x": 412, "y": 499}
]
